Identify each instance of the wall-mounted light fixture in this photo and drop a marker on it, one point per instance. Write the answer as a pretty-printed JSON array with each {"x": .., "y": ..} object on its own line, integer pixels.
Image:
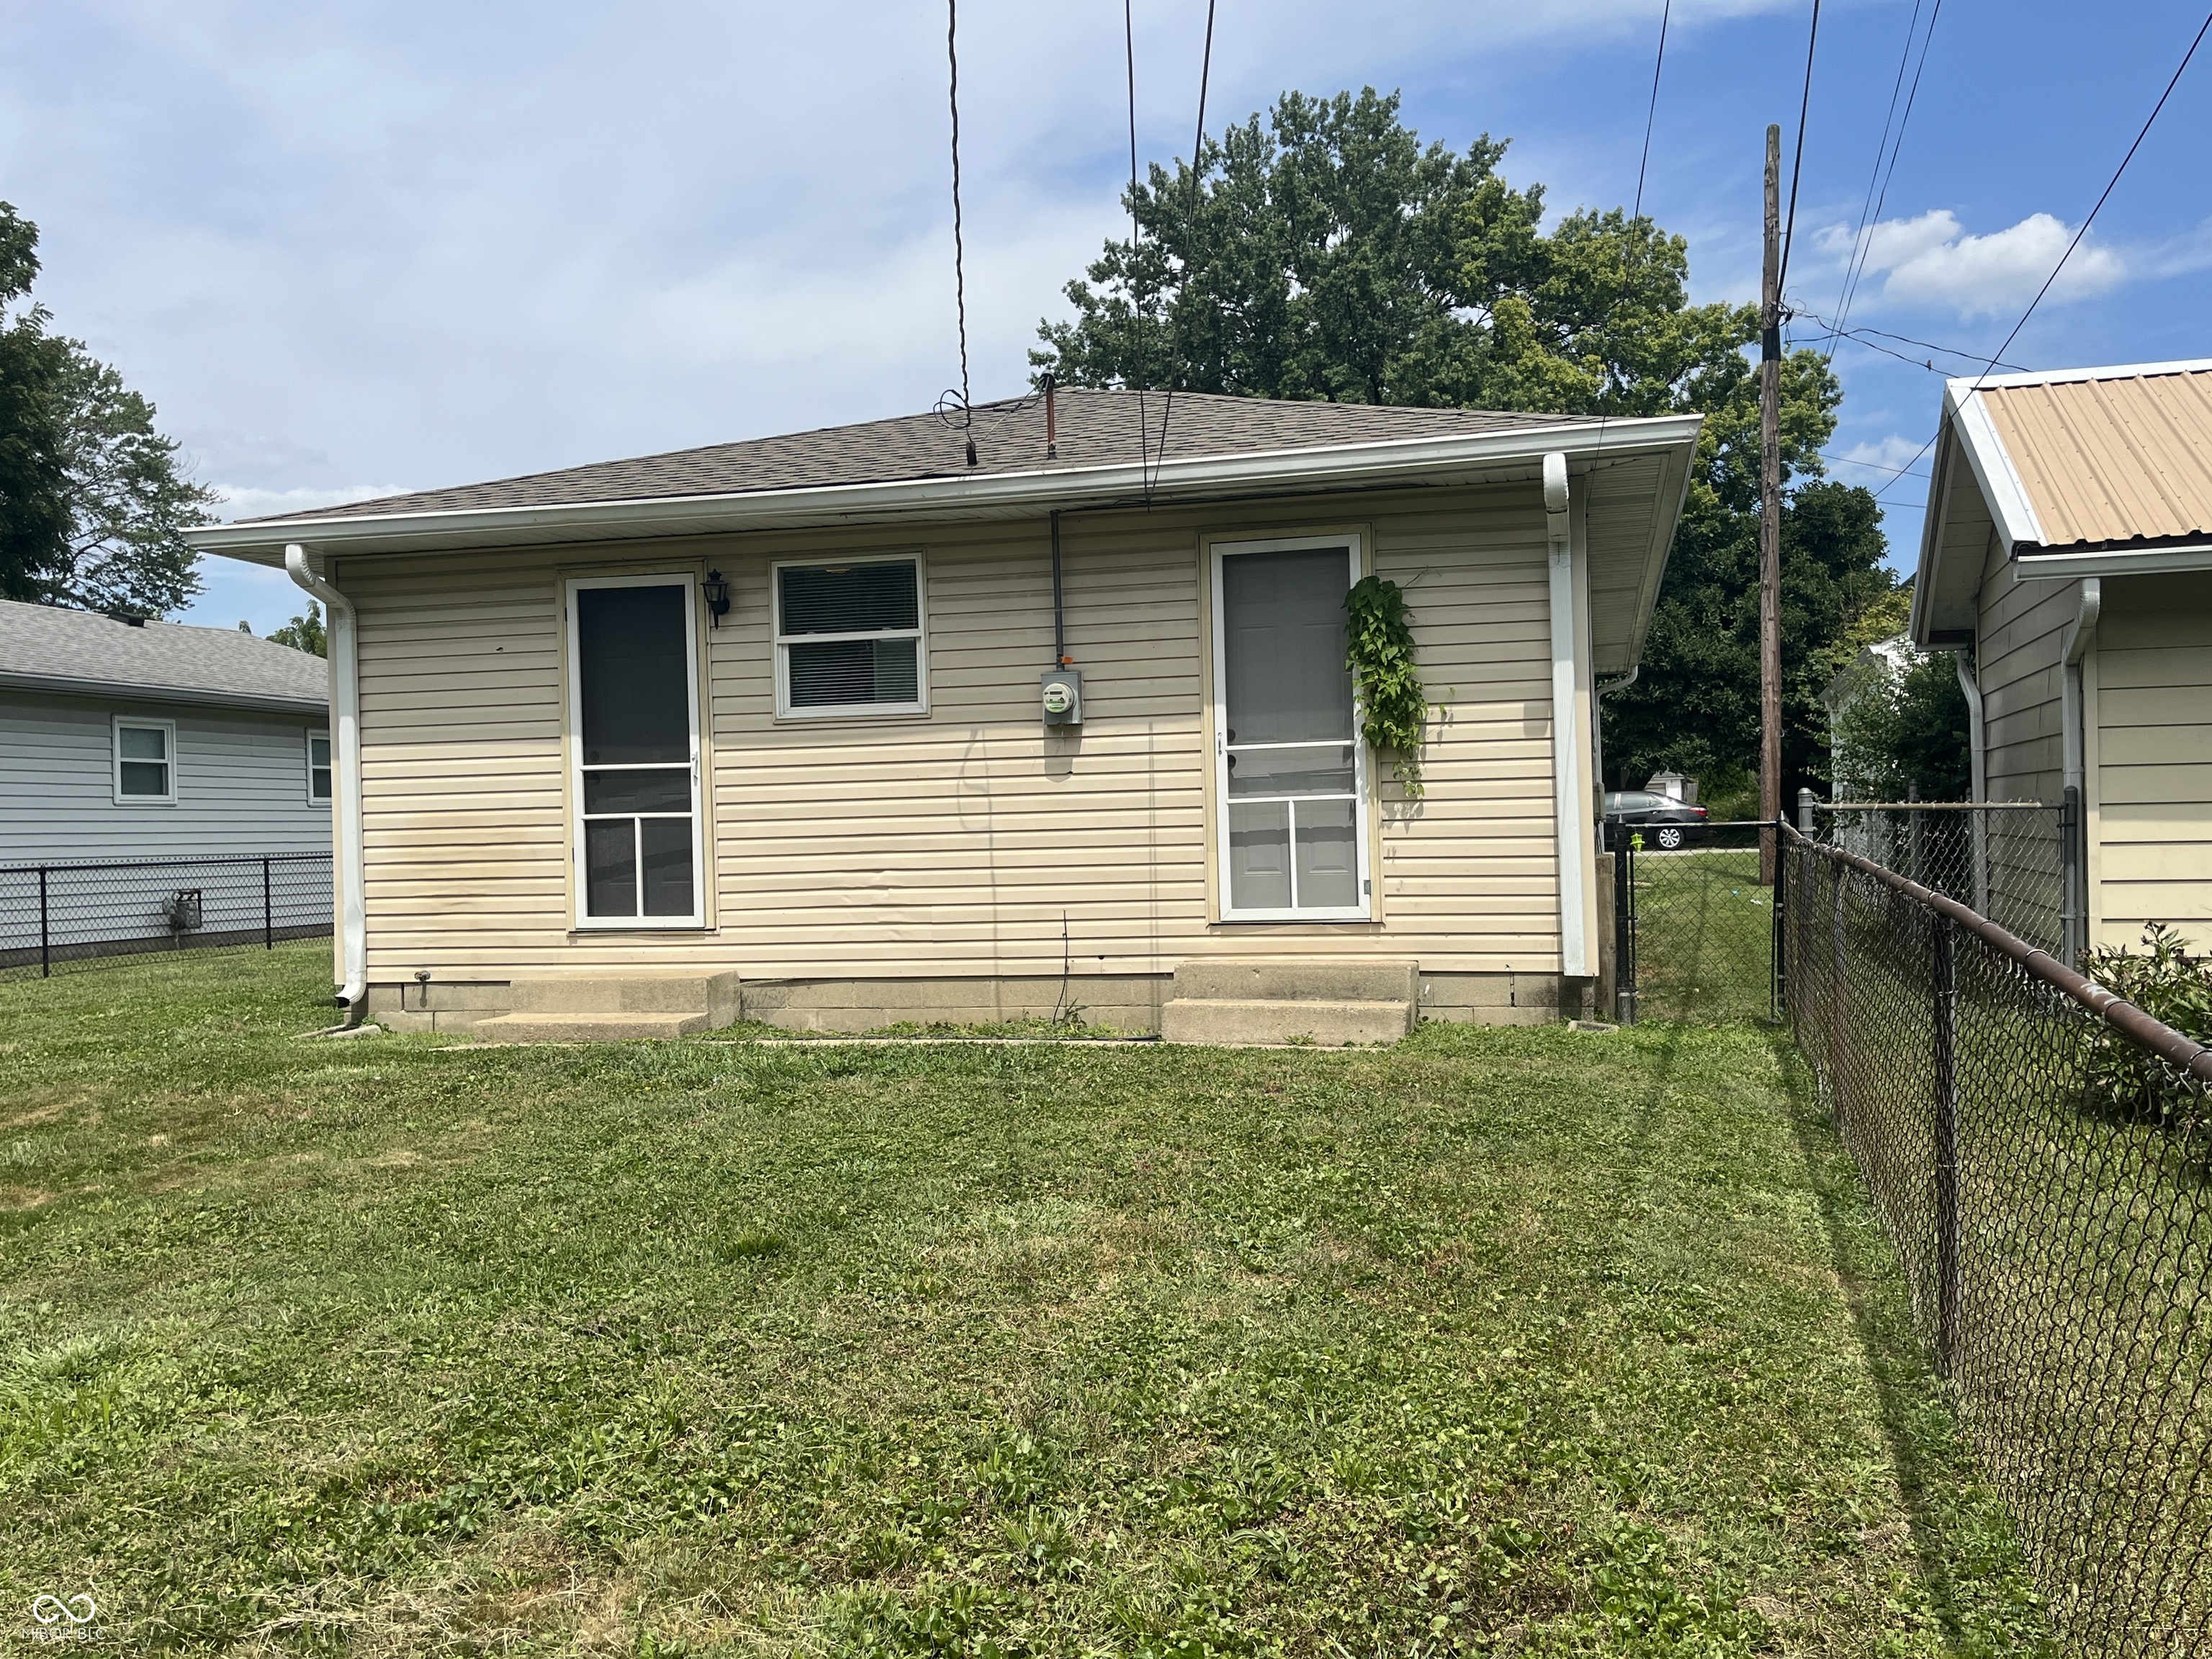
[{"x": 717, "y": 595}]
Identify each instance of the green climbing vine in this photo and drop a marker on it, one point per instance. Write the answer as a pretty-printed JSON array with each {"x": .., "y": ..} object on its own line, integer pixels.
[{"x": 1393, "y": 705}]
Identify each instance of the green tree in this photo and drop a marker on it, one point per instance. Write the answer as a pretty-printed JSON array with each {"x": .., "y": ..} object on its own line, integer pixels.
[
  {"x": 33, "y": 509},
  {"x": 303, "y": 633},
  {"x": 1322, "y": 252},
  {"x": 1911, "y": 731},
  {"x": 95, "y": 499}
]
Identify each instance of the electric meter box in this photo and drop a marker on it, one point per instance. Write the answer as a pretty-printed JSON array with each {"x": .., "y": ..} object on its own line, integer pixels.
[{"x": 1061, "y": 694}]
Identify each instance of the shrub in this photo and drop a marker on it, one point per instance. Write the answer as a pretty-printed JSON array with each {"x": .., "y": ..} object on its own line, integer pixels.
[{"x": 2171, "y": 986}]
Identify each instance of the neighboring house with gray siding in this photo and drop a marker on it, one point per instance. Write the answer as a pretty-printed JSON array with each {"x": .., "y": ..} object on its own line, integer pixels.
[{"x": 140, "y": 739}]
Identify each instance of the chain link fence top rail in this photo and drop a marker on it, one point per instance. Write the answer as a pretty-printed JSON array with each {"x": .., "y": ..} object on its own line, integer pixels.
[
  {"x": 2039, "y": 1153},
  {"x": 55, "y": 914}
]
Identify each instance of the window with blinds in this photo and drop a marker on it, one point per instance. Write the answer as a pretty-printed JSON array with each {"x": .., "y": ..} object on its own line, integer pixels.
[{"x": 849, "y": 638}]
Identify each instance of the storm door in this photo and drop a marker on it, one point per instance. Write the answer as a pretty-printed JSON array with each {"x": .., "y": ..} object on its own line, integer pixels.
[
  {"x": 1289, "y": 773},
  {"x": 634, "y": 726}
]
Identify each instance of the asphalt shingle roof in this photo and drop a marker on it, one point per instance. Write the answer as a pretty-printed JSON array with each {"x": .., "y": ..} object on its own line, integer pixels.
[
  {"x": 50, "y": 646},
  {"x": 1094, "y": 428}
]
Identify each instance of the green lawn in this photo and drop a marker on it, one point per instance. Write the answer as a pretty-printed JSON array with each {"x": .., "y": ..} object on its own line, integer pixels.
[
  {"x": 1529, "y": 1341},
  {"x": 1705, "y": 935}
]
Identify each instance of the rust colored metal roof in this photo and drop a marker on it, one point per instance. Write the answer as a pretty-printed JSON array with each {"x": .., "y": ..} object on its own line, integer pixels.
[{"x": 2110, "y": 458}]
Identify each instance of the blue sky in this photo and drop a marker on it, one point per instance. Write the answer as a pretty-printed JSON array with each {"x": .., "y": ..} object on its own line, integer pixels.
[{"x": 353, "y": 248}]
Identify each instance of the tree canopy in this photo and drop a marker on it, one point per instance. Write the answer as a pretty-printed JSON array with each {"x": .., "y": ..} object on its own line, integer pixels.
[
  {"x": 1321, "y": 252},
  {"x": 92, "y": 498}
]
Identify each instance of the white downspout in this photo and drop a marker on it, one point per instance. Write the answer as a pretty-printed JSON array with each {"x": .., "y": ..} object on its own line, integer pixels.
[
  {"x": 1567, "y": 790},
  {"x": 1969, "y": 684},
  {"x": 346, "y": 746}
]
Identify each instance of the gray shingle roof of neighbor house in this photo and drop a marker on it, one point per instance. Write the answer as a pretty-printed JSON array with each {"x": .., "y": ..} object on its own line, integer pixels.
[
  {"x": 1094, "y": 428},
  {"x": 45, "y": 648}
]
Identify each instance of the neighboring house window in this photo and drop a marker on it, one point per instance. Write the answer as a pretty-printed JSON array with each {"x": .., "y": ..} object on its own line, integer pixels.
[
  {"x": 848, "y": 638},
  {"x": 145, "y": 761},
  {"x": 318, "y": 765},
  {"x": 634, "y": 740}
]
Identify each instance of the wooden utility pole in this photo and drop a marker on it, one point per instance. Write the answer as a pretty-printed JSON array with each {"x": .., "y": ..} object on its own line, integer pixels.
[{"x": 1770, "y": 514}]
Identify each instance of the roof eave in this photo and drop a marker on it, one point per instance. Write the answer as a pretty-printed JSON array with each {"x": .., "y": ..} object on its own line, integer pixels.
[
  {"x": 72, "y": 685},
  {"x": 1349, "y": 466}
]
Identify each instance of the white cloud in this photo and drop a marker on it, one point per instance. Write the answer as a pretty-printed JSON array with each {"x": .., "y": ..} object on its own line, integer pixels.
[
  {"x": 1931, "y": 261},
  {"x": 1892, "y": 454},
  {"x": 249, "y": 502}
]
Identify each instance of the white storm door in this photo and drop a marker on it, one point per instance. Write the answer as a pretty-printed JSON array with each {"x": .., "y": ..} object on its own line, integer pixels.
[
  {"x": 634, "y": 747},
  {"x": 1290, "y": 771}
]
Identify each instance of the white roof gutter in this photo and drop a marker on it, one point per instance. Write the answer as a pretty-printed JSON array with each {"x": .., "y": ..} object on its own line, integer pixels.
[{"x": 1406, "y": 461}]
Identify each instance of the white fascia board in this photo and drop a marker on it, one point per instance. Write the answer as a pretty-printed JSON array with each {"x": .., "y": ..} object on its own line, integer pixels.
[
  {"x": 2076, "y": 376},
  {"x": 1409, "y": 460},
  {"x": 2119, "y": 562},
  {"x": 1993, "y": 469},
  {"x": 70, "y": 686}
]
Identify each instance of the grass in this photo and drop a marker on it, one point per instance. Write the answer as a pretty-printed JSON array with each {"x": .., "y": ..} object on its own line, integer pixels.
[
  {"x": 1498, "y": 1341},
  {"x": 1705, "y": 935}
]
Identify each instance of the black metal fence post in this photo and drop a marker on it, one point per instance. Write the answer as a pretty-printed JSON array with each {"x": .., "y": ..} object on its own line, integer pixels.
[
  {"x": 1624, "y": 928},
  {"x": 1946, "y": 990},
  {"x": 268, "y": 916},
  {"x": 1778, "y": 949},
  {"x": 2069, "y": 860},
  {"x": 1839, "y": 996},
  {"x": 46, "y": 939}
]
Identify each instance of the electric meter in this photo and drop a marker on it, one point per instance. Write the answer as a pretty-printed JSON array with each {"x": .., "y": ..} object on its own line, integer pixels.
[{"x": 1061, "y": 697}]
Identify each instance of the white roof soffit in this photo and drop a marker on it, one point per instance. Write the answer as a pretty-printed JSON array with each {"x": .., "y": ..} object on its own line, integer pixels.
[{"x": 1472, "y": 458}]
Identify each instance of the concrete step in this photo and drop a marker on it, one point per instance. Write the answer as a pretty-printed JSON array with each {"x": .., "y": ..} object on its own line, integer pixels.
[
  {"x": 589, "y": 1027},
  {"x": 1298, "y": 978},
  {"x": 650, "y": 991},
  {"x": 1223, "y": 1020}
]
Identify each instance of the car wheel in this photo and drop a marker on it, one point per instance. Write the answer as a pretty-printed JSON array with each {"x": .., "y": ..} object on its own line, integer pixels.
[{"x": 1669, "y": 837}]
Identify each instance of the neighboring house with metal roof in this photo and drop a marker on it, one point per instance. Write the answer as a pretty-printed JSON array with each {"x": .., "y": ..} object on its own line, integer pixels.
[
  {"x": 132, "y": 739},
  {"x": 864, "y": 724},
  {"x": 2068, "y": 547}
]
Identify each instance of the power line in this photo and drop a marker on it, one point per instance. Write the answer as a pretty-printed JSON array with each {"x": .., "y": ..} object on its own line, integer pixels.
[
  {"x": 1804, "y": 109},
  {"x": 1858, "y": 336},
  {"x": 959, "y": 257},
  {"x": 2109, "y": 185},
  {"x": 1190, "y": 229},
  {"x": 1652, "y": 113},
  {"x": 1877, "y": 183}
]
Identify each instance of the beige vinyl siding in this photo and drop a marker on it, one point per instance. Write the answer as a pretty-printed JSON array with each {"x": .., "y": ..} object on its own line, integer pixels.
[
  {"x": 2018, "y": 648},
  {"x": 953, "y": 843},
  {"x": 2154, "y": 708}
]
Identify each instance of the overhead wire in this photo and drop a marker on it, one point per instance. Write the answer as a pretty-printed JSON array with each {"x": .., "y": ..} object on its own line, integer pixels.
[
  {"x": 1870, "y": 213},
  {"x": 1136, "y": 237},
  {"x": 1797, "y": 166},
  {"x": 1859, "y": 336},
  {"x": 1651, "y": 110},
  {"x": 1190, "y": 231},
  {"x": 2112, "y": 183},
  {"x": 959, "y": 257}
]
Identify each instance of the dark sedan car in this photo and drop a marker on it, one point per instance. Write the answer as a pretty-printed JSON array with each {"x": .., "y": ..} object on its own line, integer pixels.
[{"x": 1664, "y": 822}]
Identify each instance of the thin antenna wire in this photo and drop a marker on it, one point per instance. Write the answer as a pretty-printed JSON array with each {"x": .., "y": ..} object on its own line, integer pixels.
[
  {"x": 1804, "y": 109},
  {"x": 2109, "y": 185},
  {"x": 1136, "y": 236},
  {"x": 1652, "y": 113},
  {"x": 959, "y": 255},
  {"x": 1190, "y": 229},
  {"x": 1650, "y": 116}
]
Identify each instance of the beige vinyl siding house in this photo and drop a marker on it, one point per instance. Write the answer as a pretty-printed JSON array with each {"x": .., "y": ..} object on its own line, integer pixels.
[
  {"x": 940, "y": 853},
  {"x": 2069, "y": 546}
]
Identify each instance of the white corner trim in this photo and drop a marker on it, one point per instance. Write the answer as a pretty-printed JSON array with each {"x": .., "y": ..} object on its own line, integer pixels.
[
  {"x": 1569, "y": 805},
  {"x": 345, "y": 770},
  {"x": 2001, "y": 483}
]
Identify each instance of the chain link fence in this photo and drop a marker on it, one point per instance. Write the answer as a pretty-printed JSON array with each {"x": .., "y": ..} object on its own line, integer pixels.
[
  {"x": 1693, "y": 929},
  {"x": 2015, "y": 862},
  {"x": 2039, "y": 1153},
  {"x": 52, "y": 916}
]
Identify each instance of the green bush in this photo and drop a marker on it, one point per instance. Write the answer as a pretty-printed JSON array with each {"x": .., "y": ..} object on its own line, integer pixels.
[{"x": 2171, "y": 986}]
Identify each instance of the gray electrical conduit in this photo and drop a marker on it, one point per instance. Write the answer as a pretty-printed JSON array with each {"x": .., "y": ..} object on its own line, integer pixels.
[
  {"x": 2184, "y": 1053},
  {"x": 345, "y": 757}
]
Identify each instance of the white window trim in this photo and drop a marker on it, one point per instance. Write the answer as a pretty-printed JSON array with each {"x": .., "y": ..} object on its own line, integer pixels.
[
  {"x": 115, "y": 759},
  {"x": 582, "y": 921},
  {"x": 919, "y": 634},
  {"x": 308, "y": 748},
  {"x": 1219, "y": 692}
]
